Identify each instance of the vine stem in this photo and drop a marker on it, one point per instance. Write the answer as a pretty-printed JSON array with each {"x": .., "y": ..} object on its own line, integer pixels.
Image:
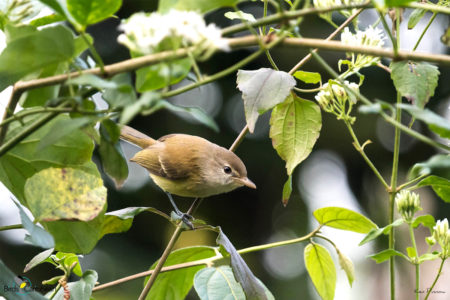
[
  {"x": 436, "y": 279},
  {"x": 9, "y": 227},
  {"x": 209, "y": 260},
  {"x": 424, "y": 31},
  {"x": 363, "y": 154},
  {"x": 416, "y": 259}
]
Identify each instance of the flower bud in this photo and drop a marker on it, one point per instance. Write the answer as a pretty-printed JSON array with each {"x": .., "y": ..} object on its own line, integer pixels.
[
  {"x": 441, "y": 234},
  {"x": 408, "y": 204}
]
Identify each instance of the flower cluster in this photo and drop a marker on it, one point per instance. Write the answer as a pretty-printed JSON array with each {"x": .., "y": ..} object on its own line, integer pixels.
[
  {"x": 407, "y": 204},
  {"x": 372, "y": 37},
  {"x": 333, "y": 98},
  {"x": 441, "y": 234},
  {"x": 149, "y": 33}
]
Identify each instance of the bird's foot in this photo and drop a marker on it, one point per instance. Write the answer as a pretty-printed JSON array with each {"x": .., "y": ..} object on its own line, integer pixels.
[{"x": 185, "y": 218}]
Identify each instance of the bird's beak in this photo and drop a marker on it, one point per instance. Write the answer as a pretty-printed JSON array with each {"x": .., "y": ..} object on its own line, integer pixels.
[{"x": 247, "y": 182}]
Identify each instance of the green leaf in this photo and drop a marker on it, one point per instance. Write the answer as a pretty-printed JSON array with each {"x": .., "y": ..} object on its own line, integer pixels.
[
  {"x": 68, "y": 259},
  {"x": 121, "y": 220},
  {"x": 287, "y": 190},
  {"x": 38, "y": 259},
  {"x": 87, "y": 12},
  {"x": 76, "y": 236},
  {"x": 122, "y": 94},
  {"x": 386, "y": 254},
  {"x": 374, "y": 233},
  {"x": 294, "y": 129},
  {"x": 342, "y": 218},
  {"x": 347, "y": 265},
  {"x": 415, "y": 17},
  {"x": 415, "y": 81},
  {"x": 180, "y": 281},
  {"x": 163, "y": 74},
  {"x": 438, "y": 165},
  {"x": 262, "y": 90},
  {"x": 428, "y": 256},
  {"x": 321, "y": 269},
  {"x": 217, "y": 284},
  {"x": 37, "y": 235},
  {"x": 113, "y": 160},
  {"x": 23, "y": 161},
  {"x": 201, "y": 6},
  {"x": 396, "y": 3},
  {"x": 434, "y": 121},
  {"x": 56, "y": 5},
  {"x": 240, "y": 15},
  {"x": 33, "y": 52},
  {"x": 425, "y": 220},
  {"x": 9, "y": 280},
  {"x": 253, "y": 289},
  {"x": 308, "y": 77},
  {"x": 440, "y": 186},
  {"x": 62, "y": 128},
  {"x": 146, "y": 101},
  {"x": 65, "y": 194}
]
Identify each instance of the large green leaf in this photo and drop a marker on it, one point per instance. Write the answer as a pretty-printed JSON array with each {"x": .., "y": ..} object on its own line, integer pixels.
[
  {"x": 415, "y": 81},
  {"x": 33, "y": 52},
  {"x": 23, "y": 161},
  {"x": 217, "y": 284},
  {"x": 86, "y": 12},
  {"x": 321, "y": 269},
  {"x": 262, "y": 90},
  {"x": 65, "y": 194},
  {"x": 176, "y": 284},
  {"x": 253, "y": 288},
  {"x": 434, "y": 121},
  {"x": 202, "y": 6},
  {"x": 343, "y": 218},
  {"x": 294, "y": 128},
  {"x": 441, "y": 186}
]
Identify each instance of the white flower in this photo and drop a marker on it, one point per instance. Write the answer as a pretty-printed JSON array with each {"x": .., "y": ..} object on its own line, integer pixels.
[
  {"x": 372, "y": 37},
  {"x": 148, "y": 33},
  {"x": 441, "y": 234}
]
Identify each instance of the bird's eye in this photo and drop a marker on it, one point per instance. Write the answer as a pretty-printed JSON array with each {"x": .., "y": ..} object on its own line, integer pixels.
[{"x": 227, "y": 169}]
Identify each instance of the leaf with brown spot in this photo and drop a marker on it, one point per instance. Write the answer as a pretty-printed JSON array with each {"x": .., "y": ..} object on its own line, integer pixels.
[{"x": 65, "y": 194}]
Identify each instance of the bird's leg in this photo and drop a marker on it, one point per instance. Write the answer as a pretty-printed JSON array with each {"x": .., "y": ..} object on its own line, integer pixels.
[{"x": 184, "y": 217}]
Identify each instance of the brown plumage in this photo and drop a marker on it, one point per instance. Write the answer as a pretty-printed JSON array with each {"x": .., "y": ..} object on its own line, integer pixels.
[{"x": 187, "y": 165}]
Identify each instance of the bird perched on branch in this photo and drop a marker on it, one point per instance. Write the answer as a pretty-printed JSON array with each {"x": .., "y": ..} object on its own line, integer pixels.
[{"x": 187, "y": 165}]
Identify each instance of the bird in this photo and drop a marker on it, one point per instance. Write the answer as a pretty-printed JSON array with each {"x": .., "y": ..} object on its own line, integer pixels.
[{"x": 187, "y": 165}]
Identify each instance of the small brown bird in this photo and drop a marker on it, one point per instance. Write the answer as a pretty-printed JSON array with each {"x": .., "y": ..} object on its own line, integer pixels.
[{"x": 187, "y": 165}]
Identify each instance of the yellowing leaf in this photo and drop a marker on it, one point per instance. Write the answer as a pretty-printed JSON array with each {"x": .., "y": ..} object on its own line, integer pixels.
[
  {"x": 294, "y": 128},
  {"x": 65, "y": 194},
  {"x": 321, "y": 269}
]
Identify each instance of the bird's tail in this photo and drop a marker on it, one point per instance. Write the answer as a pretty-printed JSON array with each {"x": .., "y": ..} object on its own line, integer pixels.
[{"x": 135, "y": 137}]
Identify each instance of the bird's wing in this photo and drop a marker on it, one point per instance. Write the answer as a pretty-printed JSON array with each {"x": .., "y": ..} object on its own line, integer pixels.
[{"x": 158, "y": 161}]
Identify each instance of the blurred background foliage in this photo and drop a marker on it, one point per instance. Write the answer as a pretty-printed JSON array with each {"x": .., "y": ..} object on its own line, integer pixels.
[{"x": 333, "y": 175}]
